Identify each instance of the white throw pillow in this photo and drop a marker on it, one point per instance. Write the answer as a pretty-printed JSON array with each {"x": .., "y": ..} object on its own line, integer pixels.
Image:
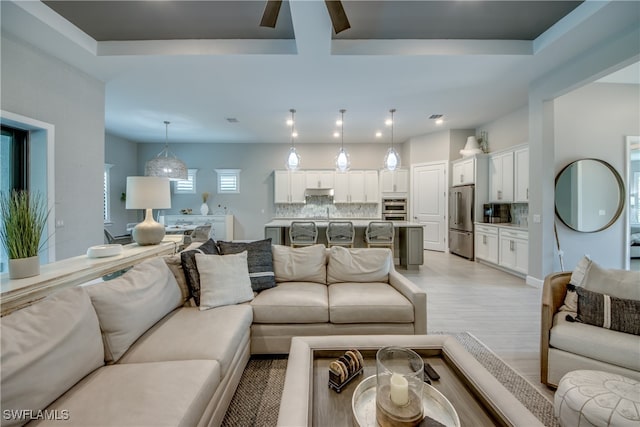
[
  {"x": 224, "y": 280},
  {"x": 131, "y": 304}
]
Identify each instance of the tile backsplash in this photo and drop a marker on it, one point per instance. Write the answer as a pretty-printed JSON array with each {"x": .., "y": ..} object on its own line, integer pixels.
[
  {"x": 319, "y": 206},
  {"x": 520, "y": 214}
]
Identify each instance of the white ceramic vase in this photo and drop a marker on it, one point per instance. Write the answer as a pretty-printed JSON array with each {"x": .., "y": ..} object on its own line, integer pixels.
[
  {"x": 21, "y": 268},
  {"x": 204, "y": 209}
]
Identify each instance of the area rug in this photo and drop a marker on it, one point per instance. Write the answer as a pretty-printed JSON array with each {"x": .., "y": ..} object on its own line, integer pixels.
[{"x": 257, "y": 399}]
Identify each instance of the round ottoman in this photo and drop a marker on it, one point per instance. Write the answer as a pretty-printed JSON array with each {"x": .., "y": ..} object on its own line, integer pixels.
[{"x": 594, "y": 398}]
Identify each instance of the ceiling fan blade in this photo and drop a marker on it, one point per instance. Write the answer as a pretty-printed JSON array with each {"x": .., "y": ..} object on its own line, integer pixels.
[
  {"x": 337, "y": 15},
  {"x": 270, "y": 14}
]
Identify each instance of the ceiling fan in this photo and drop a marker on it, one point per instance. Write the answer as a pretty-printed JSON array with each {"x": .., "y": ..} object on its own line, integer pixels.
[{"x": 334, "y": 7}]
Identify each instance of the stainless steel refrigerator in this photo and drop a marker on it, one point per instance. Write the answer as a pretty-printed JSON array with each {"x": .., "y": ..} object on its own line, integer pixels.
[{"x": 461, "y": 221}]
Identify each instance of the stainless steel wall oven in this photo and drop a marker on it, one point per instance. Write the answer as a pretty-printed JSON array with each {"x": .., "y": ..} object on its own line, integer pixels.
[{"x": 394, "y": 209}]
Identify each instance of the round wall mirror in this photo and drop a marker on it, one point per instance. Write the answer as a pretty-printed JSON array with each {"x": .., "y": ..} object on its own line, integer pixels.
[{"x": 589, "y": 195}]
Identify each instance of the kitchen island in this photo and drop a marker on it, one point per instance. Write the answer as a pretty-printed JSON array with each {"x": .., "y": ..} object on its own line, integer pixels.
[{"x": 408, "y": 245}]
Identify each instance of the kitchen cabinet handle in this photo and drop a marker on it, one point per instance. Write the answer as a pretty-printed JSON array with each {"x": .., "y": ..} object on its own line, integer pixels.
[
  {"x": 484, "y": 240},
  {"x": 461, "y": 178},
  {"x": 511, "y": 245},
  {"x": 527, "y": 194},
  {"x": 499, "y": 194},
  {"x": 394, "y": 187}
]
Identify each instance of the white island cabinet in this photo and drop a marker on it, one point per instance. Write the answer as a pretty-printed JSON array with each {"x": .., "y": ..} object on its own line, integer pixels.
[{"x": 503, "y": 245}]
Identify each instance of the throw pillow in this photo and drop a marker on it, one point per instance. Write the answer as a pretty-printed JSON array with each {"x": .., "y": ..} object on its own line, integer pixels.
[
  {"x": 618, "y": 283},
  {"x": 608, "y": 312},
  {"x": 305, "y": 264},
  {"x": 175, "y": 265},
  {"x": 259, "y": 258},
  {"x": 224, "y": 280},
  {"x": 190, "y": 267},
  {"x": 359, "y": 265}
]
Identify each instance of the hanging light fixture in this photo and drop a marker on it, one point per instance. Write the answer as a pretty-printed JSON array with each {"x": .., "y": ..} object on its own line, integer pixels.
[
  {"x": 166, "y": 164},
  {"x": 343, "y": 160},
  {"x": 293, "y": 158},
  {"x": 392, "y": 158}
]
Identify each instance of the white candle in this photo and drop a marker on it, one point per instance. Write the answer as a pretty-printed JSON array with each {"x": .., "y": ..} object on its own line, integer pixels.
[{"x": 399, "y": 390}]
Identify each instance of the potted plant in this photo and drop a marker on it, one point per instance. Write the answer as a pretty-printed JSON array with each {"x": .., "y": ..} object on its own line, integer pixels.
[
  {"x": 24, "y": 217},
  {"x": 204, "y": 208}
]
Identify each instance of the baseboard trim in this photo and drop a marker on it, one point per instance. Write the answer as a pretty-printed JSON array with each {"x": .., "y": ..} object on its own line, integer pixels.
[{"x": 533, "y": 281}]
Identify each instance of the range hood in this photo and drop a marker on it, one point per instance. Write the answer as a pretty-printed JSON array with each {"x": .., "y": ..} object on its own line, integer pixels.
[{"x": 318, "y": 192}]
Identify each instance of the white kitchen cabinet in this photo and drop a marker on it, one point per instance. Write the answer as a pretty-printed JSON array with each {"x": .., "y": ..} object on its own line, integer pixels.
[
  {"x": 463, "y": 172},
  {"x": 514, "y": 250},
  {"x": 521, "y": 158},
  {"x": 371, "y": 187},
  {"x": 501, "y": 177},
  {"x": 319, "y": 179},
  {"x": 486, "y": 243},
  {"x": 341, "y": 187},
  {"x": 356, "y": 186},
  {"x": 396, "y": 181},
  {"x": 289, "y": 186}
]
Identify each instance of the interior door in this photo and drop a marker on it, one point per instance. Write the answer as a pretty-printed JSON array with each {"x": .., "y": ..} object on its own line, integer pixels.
[{"x": 429, "y": 200}]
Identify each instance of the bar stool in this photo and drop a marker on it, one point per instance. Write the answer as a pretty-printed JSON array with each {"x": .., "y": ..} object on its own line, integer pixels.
[
  {"x": 303, "y": 233},
  {"x": 340, "y": 233},
  {"x": 379, "y": 234}
]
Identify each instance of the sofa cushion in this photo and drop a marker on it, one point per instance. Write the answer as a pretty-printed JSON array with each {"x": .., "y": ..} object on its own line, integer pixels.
[
  {"x": 608, "y": 312},
  {"x": 175, "y": 265},
  {"x": 259, "y": 258},
  {"x": 129, "y": 305},
  {"x": 618, "y": 283},
  {"x": 368, "y": 303},
  {"x": 47, "y": 348},
  {"x": 190, "y": 268},
  {"x": 597, "y": 343},
  {"x": 358, "y": 265},
  {"x": 172, "y": 393},
  {"x": 305, "y": 264},
  {"x": 224, "y": 280},
  {"x": 208, "y": 335},
  {"x": 292, "y": 302}
]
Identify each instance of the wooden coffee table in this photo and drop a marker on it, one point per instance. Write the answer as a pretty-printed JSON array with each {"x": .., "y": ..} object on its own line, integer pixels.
[{"x": 479, "y": 398}]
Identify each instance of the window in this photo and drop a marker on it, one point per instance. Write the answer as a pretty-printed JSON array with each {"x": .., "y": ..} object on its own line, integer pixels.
[
  {"x": 106, "y": 199},
  {"x": 15, "y": 159},
  {"x": 186, "y": 186},
  {"x": 228, "y": 181}
]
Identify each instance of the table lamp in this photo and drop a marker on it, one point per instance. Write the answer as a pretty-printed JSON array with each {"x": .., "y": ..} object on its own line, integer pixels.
[{"x": 148, "y": 192}]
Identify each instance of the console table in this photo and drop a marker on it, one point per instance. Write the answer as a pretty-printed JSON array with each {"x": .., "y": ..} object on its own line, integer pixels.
[{"x": 75, "y": 271}]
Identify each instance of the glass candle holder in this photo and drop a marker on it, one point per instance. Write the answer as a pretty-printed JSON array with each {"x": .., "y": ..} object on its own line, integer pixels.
[{"x": 399, "y": 375}]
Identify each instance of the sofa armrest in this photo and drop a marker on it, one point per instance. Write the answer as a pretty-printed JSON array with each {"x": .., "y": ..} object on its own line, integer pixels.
[
  {"x": 417, "y": 296},
  {"x": 553, "y": 293}
]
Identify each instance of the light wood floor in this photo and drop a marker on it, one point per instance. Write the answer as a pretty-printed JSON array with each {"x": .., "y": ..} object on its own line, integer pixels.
[{"x": 499, "y": 309}]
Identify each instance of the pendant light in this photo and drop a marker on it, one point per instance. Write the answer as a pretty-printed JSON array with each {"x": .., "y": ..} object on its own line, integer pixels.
[
  {"x": 166, "y": 164},
  {"x": 392, "y": 158},
  {"x": 293, "y": 158},
  {"x": 343, "y": 160}
]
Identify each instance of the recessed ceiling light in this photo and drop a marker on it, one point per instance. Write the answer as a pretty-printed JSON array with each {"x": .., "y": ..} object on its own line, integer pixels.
[
  {"x": 294, "y": 134},
  {"x": 232, "y": 120},
  {"x": 289, "y": 122},
  {"x": 338, "y": 122},
  {"x": 439, "y": 121},
  {"x": 336, "y": 134},
  {"x": 388, "y": 122},
  {"x": 378, "y": 134}
]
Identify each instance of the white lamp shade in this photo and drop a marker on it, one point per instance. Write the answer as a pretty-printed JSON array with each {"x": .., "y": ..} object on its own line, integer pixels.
[
  {"x": 472, "y": 144},
  {"x": 148, "y": 192},
  {"x": 392, "y": 159},
  {"x": 293, "y": 159},
  {"x": 166, "y": 166},
  {"x": 343, "y": 161}
]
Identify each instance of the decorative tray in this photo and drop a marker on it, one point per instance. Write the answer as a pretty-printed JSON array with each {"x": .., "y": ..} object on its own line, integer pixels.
[
  {"x": 101, "y": 251},
  {"x": 435, "y": 405}
]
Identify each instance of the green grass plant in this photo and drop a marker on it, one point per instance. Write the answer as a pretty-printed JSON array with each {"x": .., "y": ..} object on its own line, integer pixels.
[{"x": 24, "y": 216}]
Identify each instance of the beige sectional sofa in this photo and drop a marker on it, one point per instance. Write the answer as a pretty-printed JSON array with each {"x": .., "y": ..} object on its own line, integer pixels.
[
  {"x": 567, "y": 345},
  {"x": 131, "y": 351}
]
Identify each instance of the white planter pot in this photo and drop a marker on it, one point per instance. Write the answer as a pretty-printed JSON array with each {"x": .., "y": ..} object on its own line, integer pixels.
[
  {"x": 204, "y": 209},
  {"x": 24, "y": 267}
]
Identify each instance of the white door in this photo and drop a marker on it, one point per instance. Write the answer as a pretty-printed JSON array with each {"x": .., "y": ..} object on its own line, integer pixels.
[{"x": 429, "y": 203}]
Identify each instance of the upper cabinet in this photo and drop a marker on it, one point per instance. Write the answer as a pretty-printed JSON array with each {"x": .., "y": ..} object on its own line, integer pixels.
[
  {"x": 463, "y": 172},
  {"x": 357, "y": 186},
  {"x": 289, "y": 187},
  {"x": 501, "y": 177},
  {"x": 521, "y": 157},
  {"x": 319, "y": 179},
  {"x": 396, "y": 181}
]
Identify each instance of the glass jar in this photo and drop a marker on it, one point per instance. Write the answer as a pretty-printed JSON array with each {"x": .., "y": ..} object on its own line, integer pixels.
[{"x": 399, "y": 375}]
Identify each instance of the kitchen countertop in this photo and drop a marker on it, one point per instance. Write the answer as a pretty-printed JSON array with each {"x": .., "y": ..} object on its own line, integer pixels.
[
  {"x": 504, "y": 225},
  {"x": 357, "y": 222}
]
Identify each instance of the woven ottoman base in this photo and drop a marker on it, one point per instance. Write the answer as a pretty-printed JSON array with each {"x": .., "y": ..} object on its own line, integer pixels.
[{"x": 594, "y": 398}]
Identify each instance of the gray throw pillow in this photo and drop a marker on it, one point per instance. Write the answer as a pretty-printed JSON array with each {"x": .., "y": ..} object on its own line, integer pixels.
[
  {"x": 608, "y": 312},
  {"x": 259, "y": 258},
  {"x": 190, "y": 268}
]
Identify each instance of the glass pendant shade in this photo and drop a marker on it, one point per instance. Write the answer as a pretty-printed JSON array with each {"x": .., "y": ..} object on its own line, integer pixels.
[
  {"x": 166, "y": 164},
  {"x": 293, "y": 159},
  {"x": 343, "y": 160},
  {"x": 392, "y": 159}
]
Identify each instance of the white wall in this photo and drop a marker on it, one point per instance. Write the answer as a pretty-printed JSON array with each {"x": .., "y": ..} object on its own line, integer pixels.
[
  {"x": 507, "y": 131},
  {"x": 427, "y": 148},
  {"x": 123, "y": 155},
  {"x": 41, "y": 87},
  {"x": 592, "y": 122}
]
